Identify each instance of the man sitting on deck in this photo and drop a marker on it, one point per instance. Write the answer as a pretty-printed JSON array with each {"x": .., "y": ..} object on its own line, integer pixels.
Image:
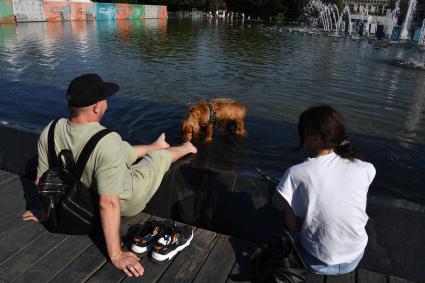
[{"x": 124, "y": 188}]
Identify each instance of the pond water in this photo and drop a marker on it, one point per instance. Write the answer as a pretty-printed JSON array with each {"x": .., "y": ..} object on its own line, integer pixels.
[{"x": 164, "y": 66}]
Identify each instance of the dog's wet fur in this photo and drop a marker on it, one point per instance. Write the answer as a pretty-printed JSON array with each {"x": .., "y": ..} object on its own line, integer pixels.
[{"x": 198, "y": 117}]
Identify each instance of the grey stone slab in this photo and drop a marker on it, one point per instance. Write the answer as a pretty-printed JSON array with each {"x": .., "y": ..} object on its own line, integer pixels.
[
  {"x": 315, "y": 278},
  {"x": 365, "y": 276},
  {"x": 192, "y": 195},
  {"x": 396, "y": 245},
  {"x": 346, "y": 278},
  {"x": 394, "y": 279}
]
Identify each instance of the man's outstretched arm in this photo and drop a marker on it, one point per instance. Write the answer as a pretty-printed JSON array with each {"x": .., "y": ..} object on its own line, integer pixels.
[{"x": 110, "y": 217}]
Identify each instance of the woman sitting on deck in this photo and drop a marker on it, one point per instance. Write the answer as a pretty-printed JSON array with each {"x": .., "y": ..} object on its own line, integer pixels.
[{"x": 327, "y": 195}]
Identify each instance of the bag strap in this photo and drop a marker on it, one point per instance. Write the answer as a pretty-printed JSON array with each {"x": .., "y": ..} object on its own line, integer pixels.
[
  {"x": 298, "y": 255},
  {"x": 52, "y": 157},
  {"x": 87, "y": 150},
  {"x": 66, "y": 160}
]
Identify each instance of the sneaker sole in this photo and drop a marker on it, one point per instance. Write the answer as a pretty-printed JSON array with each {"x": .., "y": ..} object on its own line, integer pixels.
[
  {"x": 137, "y": 249},
  {"x": 159, "y": 257}
]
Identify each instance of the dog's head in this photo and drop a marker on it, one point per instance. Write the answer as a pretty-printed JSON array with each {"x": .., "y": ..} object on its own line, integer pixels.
[
  {"x": 190, "y": 127},
  {"x": 197, "y": 115}
]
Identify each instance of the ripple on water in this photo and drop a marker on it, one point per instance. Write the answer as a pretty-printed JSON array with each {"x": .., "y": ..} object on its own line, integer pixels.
[{"x": 164, "y": 68}]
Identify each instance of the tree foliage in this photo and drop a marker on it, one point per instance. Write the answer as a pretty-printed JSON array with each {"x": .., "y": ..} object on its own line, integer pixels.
[
  {"x": 266, "y": 8},
  {"x": 290, "y": 9}
]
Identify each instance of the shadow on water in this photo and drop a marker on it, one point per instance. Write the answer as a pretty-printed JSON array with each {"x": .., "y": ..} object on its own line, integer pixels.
[
  {"x": 219, "y": 190},
  {"x": 269, "y": 144}
]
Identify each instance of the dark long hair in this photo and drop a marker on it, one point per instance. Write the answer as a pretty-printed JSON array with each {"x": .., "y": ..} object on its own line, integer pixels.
[{"x": 327, "y": 124}]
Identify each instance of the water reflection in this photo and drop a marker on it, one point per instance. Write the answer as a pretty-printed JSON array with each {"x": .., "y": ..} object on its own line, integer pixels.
[
  {"x": 415, "y": 111},
  {"x": 162, "y": 67}
]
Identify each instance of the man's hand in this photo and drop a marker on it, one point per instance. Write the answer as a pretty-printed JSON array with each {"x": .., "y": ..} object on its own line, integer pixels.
[
  {"x": 110, "y": 217},
  {"x": 36, "y": 215},
  {"x": 129, "y": 263}
]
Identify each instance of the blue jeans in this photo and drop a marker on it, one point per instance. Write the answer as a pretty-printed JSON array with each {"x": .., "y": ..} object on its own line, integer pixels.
[{"x": 319, "y": 267}]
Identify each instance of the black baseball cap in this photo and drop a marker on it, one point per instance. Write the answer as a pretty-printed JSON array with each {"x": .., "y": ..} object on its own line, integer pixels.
[{"x": 88, "y": 89}]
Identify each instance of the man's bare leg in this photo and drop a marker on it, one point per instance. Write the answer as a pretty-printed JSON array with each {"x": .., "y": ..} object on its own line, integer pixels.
[
  {"x": 160, "y": 143},
  {"x": 178, "y": 152}
]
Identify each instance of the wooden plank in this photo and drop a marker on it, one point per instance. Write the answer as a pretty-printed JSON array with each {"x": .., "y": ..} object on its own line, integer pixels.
[
  {"x": 241, "y": 271},
  {"x": 90, "y": 261},
  {"x": 109, "y": 272},
  {"x": 6, "y": 177},
  {"x": 394, "y": 279},
  {"x": 13, "y": 219},
  {"x": 58, "y": 259},
  {"x": 189, "y": 261},
  {"x": 20, "y": 262},
  {"x": 17, "y": 236},
  {"x": 220, "y": 261},
  {"x": 83, "y": 266},
  {"x": 12, "y": 202},
  {"x": 345, "y": 278},
  {"x": 153, "y": 271},
  {"x": 365, "y": 276}
]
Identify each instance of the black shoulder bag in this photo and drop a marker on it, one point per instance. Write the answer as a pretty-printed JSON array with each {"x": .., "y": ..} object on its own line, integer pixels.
[
  {"x": 69, "y": 206},
  {"x": 278, "y": 261}
]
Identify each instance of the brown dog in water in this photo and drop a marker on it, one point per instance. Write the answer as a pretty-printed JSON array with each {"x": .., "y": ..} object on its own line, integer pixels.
[{"x": 213, "y": 113}]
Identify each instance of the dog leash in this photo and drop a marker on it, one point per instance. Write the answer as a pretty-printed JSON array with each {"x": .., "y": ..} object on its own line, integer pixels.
[{"x": 271, "y": 180}]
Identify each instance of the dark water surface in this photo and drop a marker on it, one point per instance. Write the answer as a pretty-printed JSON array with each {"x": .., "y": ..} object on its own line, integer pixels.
[{"x": 163, "y": 67}]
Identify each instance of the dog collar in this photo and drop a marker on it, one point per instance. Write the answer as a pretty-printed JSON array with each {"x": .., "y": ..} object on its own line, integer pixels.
[{"x": 213, "y": 115}]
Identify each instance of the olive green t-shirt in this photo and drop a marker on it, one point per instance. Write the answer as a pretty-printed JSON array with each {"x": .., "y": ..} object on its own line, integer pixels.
[{"x": 109, "y": 166}]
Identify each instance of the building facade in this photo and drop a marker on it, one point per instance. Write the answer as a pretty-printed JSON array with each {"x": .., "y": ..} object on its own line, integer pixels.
[{"x": 375, "y": 7}]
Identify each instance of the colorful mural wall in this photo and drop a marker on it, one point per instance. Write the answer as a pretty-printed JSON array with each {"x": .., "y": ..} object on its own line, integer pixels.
[
  {"x": 53, "y": 11},
  {"x": 82, "y": 11},
  {"x": 29, "y": 10},
  {"x": 6, "y": 12},
  {"x": 104, "y": 11},
  {"x": 57, "y": 11}
]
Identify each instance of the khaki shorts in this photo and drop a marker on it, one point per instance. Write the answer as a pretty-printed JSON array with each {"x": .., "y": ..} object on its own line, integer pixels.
[{"x": 147, "y": 177}]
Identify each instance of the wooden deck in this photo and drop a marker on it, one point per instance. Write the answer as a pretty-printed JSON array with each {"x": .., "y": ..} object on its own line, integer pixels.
[{"x": 28, "y": 253}]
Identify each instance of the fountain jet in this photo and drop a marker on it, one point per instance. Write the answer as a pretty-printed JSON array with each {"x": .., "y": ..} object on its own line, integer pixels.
[{"x": 409, "y": 15}]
